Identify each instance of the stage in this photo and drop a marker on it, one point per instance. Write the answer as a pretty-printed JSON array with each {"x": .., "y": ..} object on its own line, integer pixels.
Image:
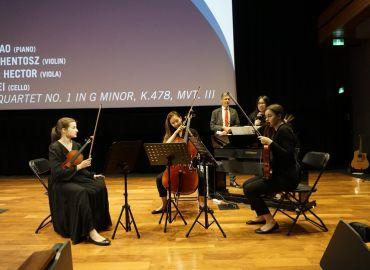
[{"x": 339, "y": 196}]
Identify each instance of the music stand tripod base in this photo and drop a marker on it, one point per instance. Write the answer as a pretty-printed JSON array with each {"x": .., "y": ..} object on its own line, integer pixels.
[
  {"x": 205, "y": 155},
  {"x": 168, "y": 154},
  {"x": 129, "y": 217}
]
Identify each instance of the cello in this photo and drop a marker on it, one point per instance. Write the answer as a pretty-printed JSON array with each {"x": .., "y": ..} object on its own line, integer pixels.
[
  {"x": 184, "y": 177},
  {"x": 266, "y": 168}
]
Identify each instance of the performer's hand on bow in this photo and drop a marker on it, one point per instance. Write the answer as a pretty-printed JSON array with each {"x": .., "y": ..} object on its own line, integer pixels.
[
  {"x": 265, "y": 140},
  {"x": 180, "y": 128}
]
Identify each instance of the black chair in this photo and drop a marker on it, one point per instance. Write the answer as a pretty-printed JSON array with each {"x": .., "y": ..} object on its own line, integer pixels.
[
  {"x": 298, "y": 200},
  {"x": 346, "y": 250},
  {"x": 41, "y": 166}
]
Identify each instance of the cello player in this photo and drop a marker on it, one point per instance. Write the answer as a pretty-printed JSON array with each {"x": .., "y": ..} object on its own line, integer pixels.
[{"x": 175, "y": 129}]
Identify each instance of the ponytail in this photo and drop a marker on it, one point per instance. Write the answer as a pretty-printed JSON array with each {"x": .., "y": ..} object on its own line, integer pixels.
[{"x": 55, "y": 135}]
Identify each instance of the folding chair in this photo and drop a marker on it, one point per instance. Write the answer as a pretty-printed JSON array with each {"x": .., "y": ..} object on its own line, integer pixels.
[
  {"x": 298, "y": 200},
  {"x": 41, "y": 166}
]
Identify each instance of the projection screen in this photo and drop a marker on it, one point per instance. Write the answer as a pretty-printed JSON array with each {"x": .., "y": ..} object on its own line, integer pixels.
[{"x": 118, "y": 53}]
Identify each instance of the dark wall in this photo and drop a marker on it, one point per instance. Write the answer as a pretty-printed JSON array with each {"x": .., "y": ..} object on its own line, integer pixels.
[
  {"x": 276, "y": 53},
  {"x": 359, "y": 85}
]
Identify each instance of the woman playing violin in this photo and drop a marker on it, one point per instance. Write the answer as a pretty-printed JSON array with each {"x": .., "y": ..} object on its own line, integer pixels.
[
  {"x": 284, "y": 166},
  {"x": 175, "y": 130},
  {"x": 78, "y": 198}
]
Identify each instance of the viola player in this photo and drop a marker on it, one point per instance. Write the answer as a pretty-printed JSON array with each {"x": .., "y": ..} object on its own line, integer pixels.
[{"x": 78, "y": 198}]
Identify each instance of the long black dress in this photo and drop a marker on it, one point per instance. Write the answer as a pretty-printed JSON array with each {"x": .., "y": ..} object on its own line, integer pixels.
[{"x": 78, "y": 202}]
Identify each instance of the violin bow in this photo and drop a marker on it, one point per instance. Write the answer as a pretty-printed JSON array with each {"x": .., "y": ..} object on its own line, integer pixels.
[
  {"x": 244, "y": 113},
  {"x": 96, "y": 126}
]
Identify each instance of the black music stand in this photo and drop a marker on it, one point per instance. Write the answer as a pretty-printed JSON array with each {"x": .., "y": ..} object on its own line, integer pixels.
[
  {"x": 125, "y": 165},
  {"x": 206, "y": 157},
  {"x": 168, "y": 154}
]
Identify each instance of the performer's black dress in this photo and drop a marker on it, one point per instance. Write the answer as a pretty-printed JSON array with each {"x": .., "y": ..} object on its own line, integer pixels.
[{"x": 78, "y": 202}]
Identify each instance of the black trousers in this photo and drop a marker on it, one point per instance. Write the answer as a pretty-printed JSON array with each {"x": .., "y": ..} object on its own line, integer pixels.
[
  {"x": 256, "y": 187},
  {"x": 163, "y": 191}
]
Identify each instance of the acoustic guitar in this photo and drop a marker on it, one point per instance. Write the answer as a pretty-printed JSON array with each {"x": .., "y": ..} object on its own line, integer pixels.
[{"x": 359, "y": 161}]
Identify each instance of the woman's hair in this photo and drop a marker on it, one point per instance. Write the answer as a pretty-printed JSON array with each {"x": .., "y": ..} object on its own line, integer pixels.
[
  {"x": 277, "y": 109},
  {"x": 167, "y": 125},
  {"x": 266, "y": 99},
  {"x": 56, "y": 131}
]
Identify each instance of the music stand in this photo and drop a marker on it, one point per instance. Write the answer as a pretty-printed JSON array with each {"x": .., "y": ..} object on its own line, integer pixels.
[
  {"x": 168, "y": 154},
  {"x": 206, "y": 157},
  {"x": 125, "y": 165}
]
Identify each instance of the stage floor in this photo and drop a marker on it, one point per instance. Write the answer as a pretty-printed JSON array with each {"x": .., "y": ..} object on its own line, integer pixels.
[{"x": 339, "y": 196}]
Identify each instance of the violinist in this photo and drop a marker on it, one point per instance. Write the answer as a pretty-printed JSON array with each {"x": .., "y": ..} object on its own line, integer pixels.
[
  {"x": 175, "y": 130},
  {"x": 78, "y": 198},
  {"x": 285, "y": 169}
]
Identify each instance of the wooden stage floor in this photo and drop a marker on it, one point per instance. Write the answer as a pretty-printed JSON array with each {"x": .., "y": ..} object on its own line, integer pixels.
[{"x": 339, "y": 196}]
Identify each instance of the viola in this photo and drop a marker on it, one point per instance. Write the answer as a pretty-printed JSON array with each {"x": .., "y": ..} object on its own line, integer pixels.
[{"x": 74, "y": 157}]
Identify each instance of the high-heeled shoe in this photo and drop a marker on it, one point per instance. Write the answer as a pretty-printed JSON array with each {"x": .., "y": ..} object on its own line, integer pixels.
[
  {"x": 105, "y": 242},
  {"x": 273, "y": 229},
  {"x": 157, "y": 211}
]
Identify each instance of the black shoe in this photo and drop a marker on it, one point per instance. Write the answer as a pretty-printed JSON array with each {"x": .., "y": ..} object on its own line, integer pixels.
[
  {"x": 105, "y": 242},
  {"x": 234, "y": 184},
  {"x": 253, "y": 222},
  {"x": 273, "y": 229},
  {"x": 154, "y": 212}
]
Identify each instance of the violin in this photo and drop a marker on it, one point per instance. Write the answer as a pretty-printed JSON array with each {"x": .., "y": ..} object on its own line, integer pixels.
[
  {"x": 266, "y": 166},
  {"x": 184, "y": 177}
]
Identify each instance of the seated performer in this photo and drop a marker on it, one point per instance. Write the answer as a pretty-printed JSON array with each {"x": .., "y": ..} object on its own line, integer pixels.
[
  {"x": 285, "y": 169},
  {"x": 222, "y": 119},
  {"x": 78, "y": 198},
  {"x": 175, "y": 129}
]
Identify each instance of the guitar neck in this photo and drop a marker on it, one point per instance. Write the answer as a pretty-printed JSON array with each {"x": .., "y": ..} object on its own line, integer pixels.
[{"x": 360, "y": 145}]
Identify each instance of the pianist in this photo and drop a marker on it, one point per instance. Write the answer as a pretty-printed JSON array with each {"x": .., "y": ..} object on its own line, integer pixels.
[{"x": 222, "y": 119}]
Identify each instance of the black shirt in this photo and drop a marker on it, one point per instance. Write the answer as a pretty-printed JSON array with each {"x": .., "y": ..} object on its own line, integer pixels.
[{"x": 283, "y": 149}]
